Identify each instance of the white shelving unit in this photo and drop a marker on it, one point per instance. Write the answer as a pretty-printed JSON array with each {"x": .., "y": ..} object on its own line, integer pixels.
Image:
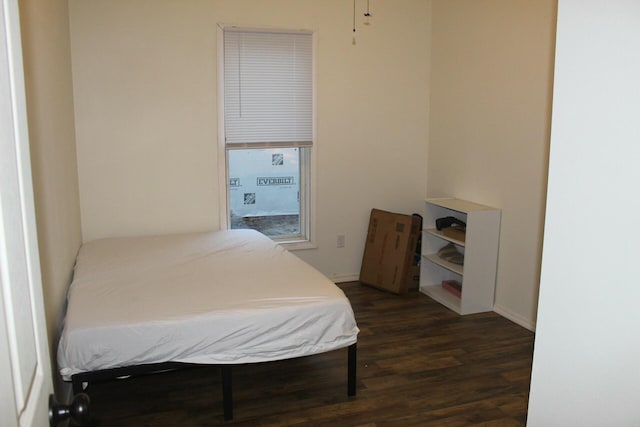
[{"x": 480, "y": 249}]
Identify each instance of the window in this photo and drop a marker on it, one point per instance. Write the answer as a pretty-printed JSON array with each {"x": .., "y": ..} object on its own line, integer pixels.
[{"x": 267, "y": 79}]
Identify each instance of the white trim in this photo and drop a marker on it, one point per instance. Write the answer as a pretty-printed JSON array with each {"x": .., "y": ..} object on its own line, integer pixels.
[
  {"x": 297, "y": 245},
  {"x": 313, "y": 151},
  {"x": 339, "y": 278},
  {"x": 286, "y": 144},
  {"x": 261, "y": 28},
  {"x": 30, "y": 381},
  {"x": 310, "y": 201},
  {"x": 514, "y": 317},
  {"x": 222, "y": 154}
]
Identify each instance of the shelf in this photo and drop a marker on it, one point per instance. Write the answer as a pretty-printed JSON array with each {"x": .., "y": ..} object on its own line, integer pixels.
[
  {"x": 443, "y": 296},
  {"x": 440, "y": 234},
  {"x": 479, "y": 247},
  {"x": 459, "y": 205},
  {"x": 434, "y": 258}
]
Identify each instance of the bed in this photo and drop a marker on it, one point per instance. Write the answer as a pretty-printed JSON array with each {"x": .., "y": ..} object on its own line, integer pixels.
[{"x": 144, "y": 304}]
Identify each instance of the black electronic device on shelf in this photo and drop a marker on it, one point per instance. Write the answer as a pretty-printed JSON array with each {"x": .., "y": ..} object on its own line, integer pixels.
[{"x": 450, "y": 221}]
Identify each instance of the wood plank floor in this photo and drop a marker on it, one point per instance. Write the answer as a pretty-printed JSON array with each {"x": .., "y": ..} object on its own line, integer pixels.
[{"x": 418, "y": 364}]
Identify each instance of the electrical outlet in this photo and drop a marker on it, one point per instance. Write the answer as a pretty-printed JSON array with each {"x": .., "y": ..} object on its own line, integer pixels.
[{"x": 340, "y": 241}]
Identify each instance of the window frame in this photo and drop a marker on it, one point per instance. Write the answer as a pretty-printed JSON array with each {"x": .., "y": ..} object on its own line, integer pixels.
[{"x": 308, "y": 155}]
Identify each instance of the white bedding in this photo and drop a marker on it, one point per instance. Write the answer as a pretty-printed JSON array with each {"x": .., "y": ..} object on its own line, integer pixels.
[{"x": 226, "y": 297}]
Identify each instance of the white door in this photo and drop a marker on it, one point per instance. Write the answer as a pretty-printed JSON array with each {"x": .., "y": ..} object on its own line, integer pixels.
[{"x": 25, "y": 376}]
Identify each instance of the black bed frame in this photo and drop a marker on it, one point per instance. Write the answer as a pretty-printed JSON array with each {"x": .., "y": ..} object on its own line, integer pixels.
[{"x": 77, "y": 380}]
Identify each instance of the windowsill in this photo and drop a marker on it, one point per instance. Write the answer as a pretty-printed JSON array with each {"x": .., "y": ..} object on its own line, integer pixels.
[{"x": 297, "y": 245}]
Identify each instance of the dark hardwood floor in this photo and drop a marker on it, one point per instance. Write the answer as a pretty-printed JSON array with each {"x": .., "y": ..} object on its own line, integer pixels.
[{"x": 419, "y": 364}]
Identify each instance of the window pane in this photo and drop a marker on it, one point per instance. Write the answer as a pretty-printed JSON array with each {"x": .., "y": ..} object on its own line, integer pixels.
[{"x": 264, "y": 190}]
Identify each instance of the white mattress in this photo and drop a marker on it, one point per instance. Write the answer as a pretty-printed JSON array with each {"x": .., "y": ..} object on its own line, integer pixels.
[{"x": 226, "y": 297}]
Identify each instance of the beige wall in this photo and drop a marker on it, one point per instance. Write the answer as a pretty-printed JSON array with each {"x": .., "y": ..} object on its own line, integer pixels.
[
  {"x": 144, "y": 76},
  {"x": 47, "y": 63},
  {"x": 491, "y": 83},
  {"x": 146, "y": 114}
]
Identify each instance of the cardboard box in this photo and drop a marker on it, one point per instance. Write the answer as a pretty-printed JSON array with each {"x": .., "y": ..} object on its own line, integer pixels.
[
  {"x": 389, "y": 261},
  {"x": 413, "y": 280}
]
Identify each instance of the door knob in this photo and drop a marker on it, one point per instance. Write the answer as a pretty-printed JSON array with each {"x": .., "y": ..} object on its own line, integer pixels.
[{"x": 78, "y": 410}]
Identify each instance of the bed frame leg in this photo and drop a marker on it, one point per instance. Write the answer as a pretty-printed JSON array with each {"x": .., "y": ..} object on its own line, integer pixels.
[
  {"x": 351, "y": 374},
  {"x": 76, "y": 385},
  {"x": 227, "y": 397}
]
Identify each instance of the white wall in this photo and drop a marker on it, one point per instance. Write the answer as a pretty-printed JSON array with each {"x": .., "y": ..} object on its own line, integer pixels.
[
  {"x": 585, "y": 367},
  {"x": 145, "y": 93},
  {"x": 47, "y": 63},
  {"x": 491, "y": 84}
]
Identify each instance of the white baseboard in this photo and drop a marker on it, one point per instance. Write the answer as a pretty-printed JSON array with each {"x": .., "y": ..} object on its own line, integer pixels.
[
  {"x": 515, "y": 317},
  {"x": 339, "y": 278}
]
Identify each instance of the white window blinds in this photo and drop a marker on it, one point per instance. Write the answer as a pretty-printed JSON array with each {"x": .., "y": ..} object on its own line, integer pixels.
[{"x": 267, "y": 88}]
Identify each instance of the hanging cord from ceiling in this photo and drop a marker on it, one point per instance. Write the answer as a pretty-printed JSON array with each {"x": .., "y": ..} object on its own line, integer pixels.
[
  {"x": 353, "y": 41},
  {"x": 367, "y": 15}
]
